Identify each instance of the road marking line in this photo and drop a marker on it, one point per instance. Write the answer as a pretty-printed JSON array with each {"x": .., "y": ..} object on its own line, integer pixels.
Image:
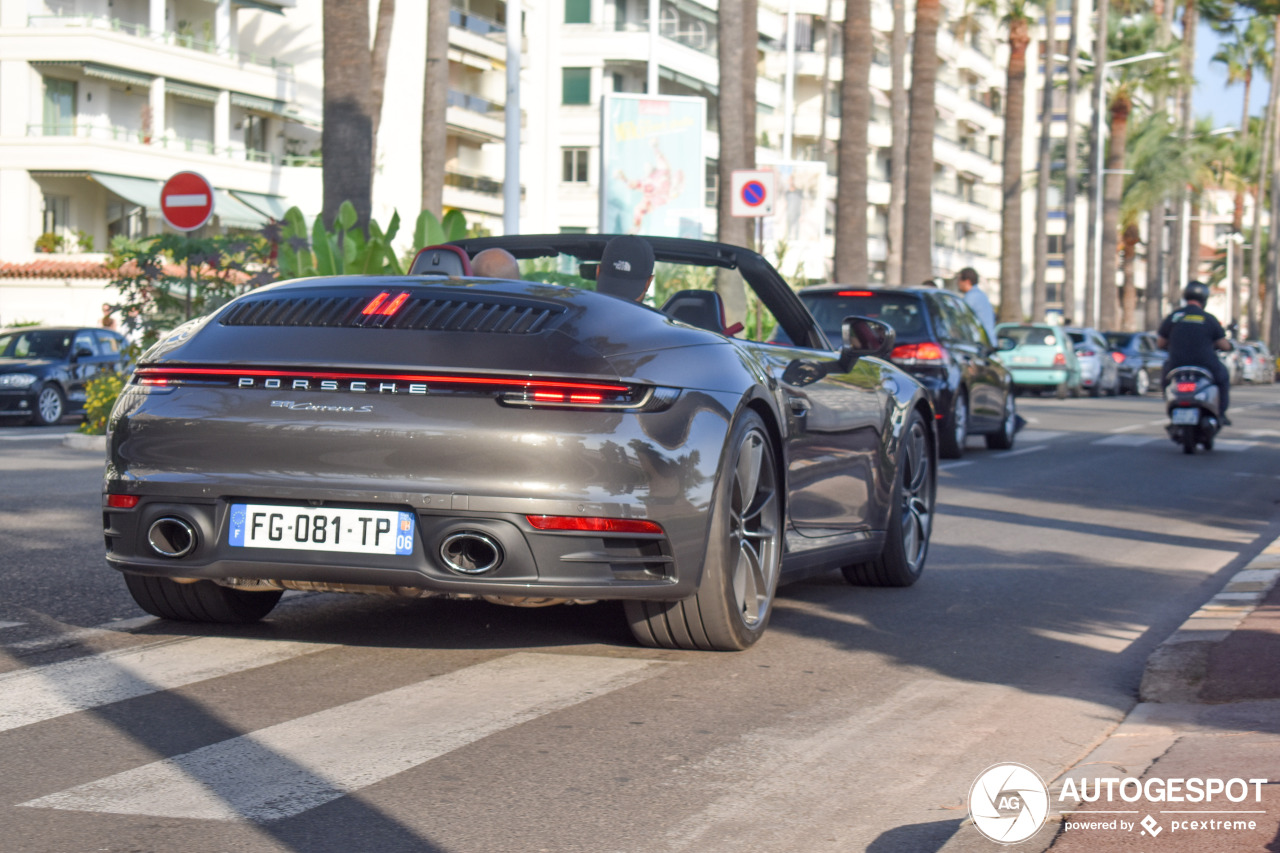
[
  {"x": 43, "y": 693},
  {"x": 1129, "y": 428},
  {"x": 289, "y": 768},
  {"x": 1232, "y": 445},
  {"x": 959, "y": 463},
  {"x": 1127, "y": 440},
  {"x": 11, "y": 624},
  {"x": 1020, "y": 452},
  {"x": 71, "y": 637},
  {"x": 1039, "y": 434}
]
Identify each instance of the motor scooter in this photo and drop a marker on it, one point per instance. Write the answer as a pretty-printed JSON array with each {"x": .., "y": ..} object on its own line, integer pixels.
[{"x": 1191, "y": 401}]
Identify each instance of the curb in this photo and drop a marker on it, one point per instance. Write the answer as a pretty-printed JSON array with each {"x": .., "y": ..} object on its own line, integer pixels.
[
  {"x": 79, "y": 441},
  {"x": 1168, "y": 703},
  {"x": 1176, "y": 669}
]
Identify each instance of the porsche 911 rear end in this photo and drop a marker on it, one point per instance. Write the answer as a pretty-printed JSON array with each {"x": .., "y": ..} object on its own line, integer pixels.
[{"x": 412, "y": 438}]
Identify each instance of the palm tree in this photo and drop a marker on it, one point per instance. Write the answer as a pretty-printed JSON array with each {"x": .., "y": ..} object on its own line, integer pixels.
[
  {"x": 1072, "y": 176},
  {"x": 347, "y": 143},
  {"x": 1156, "y": 166},
  {"x": 1242, "y": 54},
  {"x": 1039, "y": 286},
  {"x": 897, "y": 163},
  {"x": 855, "y": 116},
  {"x": 378, "y": 68},
  {"x": 435, "y": 100},
  {"x": 917, "y": 242},
  {"x": 1018, "y": 19}
]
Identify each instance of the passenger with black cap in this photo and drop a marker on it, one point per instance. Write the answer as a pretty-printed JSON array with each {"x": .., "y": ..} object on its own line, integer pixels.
[{"x": 626, "y": 268}]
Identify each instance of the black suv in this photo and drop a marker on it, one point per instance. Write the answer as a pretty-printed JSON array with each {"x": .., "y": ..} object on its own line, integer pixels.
[
  {"x": 43, "y": 369},
  {"x": 940, "y": 342}
]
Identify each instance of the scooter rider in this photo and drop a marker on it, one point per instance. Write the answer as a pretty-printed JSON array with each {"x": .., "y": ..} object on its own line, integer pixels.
[{"x": 1191, "y": 335}]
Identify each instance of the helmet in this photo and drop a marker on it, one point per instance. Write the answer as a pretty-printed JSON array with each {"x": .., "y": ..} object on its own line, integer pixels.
[{"x": 1196, "y": 291}]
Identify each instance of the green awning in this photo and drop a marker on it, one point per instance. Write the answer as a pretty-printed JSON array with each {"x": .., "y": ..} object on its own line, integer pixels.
[
  {"x": 140, "y": 191},
  {"x": 262, "y": 105},
  {"x": 187, "y": 90},
  {"x": 274, "y": 8},
  {"x": 104, "y": 72},
  {"x": 233, "y": 213},
  {"x": 272, "y": 206}
]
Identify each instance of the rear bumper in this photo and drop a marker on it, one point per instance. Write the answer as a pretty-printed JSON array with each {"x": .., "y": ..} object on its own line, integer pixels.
[
  {"x": 1038, "y": 377},
  {"x": 533, "y": 562}
]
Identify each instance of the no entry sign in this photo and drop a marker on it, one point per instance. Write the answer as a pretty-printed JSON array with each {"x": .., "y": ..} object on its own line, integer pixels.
[
  {"x": 186, "y": 201},
  {"x": 752, "y": 192}
]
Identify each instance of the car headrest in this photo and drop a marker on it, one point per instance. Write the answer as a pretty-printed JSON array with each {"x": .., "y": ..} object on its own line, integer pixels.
[
  {"x": 701, "y": 308},
  {"x": 440, "y": 260}
]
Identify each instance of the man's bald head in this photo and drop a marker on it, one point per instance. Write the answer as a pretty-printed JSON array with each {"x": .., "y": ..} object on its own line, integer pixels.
[{"x": 495, "y": 263}]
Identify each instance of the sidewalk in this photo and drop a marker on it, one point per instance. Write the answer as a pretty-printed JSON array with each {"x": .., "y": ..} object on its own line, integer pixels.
[{"x": 1209, "y": 709}]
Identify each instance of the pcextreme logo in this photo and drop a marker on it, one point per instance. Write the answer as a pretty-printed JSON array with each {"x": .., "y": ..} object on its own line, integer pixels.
[{"x": 1008, "y": 803}]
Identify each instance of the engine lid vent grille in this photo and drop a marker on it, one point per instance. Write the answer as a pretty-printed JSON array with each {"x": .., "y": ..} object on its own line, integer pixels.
[{"x": 423, "y": 313}]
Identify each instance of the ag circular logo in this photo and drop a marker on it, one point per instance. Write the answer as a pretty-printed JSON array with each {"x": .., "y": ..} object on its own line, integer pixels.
[{"x": 1008, "y": 803}]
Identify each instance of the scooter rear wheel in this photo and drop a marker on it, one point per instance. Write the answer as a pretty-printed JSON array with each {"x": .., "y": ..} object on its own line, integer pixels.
[{"x": 1188, "y": 440}]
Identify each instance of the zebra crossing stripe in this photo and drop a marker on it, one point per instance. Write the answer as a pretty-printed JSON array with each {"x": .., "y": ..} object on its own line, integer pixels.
[
  {"x": 286, "y": 769},
  {"x": 1128, "y": 440},
  {"x": 42, "y": 693}
]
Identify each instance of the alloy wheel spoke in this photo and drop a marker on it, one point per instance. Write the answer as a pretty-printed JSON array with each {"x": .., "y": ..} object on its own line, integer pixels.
[{"x": 748, "y": 472}]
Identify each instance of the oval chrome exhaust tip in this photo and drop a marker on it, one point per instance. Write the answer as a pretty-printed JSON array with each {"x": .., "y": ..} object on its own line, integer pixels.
[
  {"x": 171, "y": 537},
  {"x": 470, "y": 552}
]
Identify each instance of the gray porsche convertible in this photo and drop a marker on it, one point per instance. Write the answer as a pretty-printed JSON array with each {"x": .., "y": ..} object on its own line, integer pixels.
[{"x": 440, "y": 434}]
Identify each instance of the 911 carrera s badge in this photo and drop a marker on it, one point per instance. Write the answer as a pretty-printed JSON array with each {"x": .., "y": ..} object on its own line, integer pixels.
[{"x": 359, "y": 386}]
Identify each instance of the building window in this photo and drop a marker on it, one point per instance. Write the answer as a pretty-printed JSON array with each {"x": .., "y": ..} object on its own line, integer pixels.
[
  {"x": 57, "y": 214},
  {"x": 577, "y": 11},
  {"x": 1055, "y": 244},
  {"x": 59, "y": 107},
  {"x": 576, "y": 86},
  {"x": 255, "y": 137},
  {"x": 712, "y": 184},
  {"x": 575, "y": 165}
]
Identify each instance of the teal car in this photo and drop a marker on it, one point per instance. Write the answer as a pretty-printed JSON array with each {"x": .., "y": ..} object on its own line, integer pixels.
[{"x": 1042, "y": 358}]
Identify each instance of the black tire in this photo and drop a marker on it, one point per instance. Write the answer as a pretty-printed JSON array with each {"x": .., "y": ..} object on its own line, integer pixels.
[
  {"x": 1188, "y": 439},
  {"x": 955, "y": 427},
  {"x": 1096, "y": 389},
  {"x": 1061, "y": 391},
  {"x": 1003, "y": 440},
  {"x": 906, "y": 542},
  {"x": 51, "y": 406},
  {"x": 734, "y": 600},
  {"x": 202, "y": 601}
]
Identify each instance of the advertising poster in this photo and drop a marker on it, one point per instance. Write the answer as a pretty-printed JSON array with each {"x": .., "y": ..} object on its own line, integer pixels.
[
  {"x": 652, "y": 164},
  {"x": 793, "y": 235}
]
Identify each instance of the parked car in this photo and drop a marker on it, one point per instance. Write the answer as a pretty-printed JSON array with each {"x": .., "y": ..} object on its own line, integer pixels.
[
  {"x": 1256, "y": 362},
  {"x": 940, "y": 342},
  {"x": 43, "y": 369},
  {"x": 1234, "y": 361},
  {"x": 1041, "y": 358},
  {"x": 1140, "y": 361},
  {"x": 1099, "y": 373},
  {"x": 518, "y": 441}
]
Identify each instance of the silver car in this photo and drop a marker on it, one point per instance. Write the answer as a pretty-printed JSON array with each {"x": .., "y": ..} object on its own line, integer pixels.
[{"x": 1099, "y": 371}]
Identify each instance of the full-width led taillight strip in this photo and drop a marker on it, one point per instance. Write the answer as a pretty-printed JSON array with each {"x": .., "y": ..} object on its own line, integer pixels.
[{"x": 164, "y": 376}]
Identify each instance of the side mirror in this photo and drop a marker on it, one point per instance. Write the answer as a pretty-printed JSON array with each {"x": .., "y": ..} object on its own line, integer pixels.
[
  {"x": 1006, "y": 344},
  {"x": 863, "y": 336},
  {"x": 83, "y": 352}
]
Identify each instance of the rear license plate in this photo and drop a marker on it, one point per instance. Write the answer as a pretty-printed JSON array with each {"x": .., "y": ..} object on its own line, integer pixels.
[
  {"x": 356, "y": 531},
  {"x": 1185, "y": 416},
  {"x": 1024, "y": 359}
]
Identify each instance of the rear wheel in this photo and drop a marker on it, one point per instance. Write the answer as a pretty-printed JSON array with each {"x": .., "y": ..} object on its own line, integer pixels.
[
  {"x": 731, "y": 608},
  {"x": 1003, "y": 440},
  {"x": 51, "y": 406},
  {"x": 1141, "y": 383},
  {"x": 1188, "y": 439},
  {"x": 955, "y": 427},
  {"x": 202, "y": 601},
  {"x": 910, "y": 520}
]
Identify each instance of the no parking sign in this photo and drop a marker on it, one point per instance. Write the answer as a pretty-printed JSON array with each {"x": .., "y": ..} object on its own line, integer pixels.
[{"x": 752, "y": 192}]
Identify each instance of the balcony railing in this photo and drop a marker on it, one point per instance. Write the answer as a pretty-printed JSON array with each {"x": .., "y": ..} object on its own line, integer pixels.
[
  {"x": 475, "y": 183},
  {"x": 478, "y": 24},
  {"x": 472, "y": 103},
  {"x": 133, "y": 136},
  {"x": 186, "y": 40}
]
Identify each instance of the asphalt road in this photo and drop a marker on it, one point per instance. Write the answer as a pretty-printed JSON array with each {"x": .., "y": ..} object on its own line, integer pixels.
[{"x": 350, "y": 723}]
